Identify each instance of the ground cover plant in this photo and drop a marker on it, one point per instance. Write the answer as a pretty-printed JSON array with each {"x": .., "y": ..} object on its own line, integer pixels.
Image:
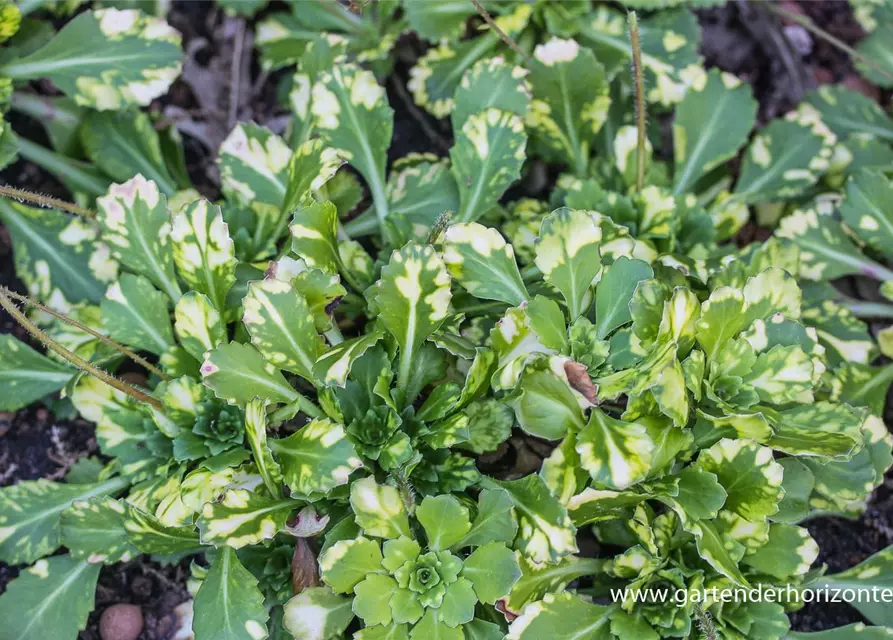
[{"x": 296, "y": 386}]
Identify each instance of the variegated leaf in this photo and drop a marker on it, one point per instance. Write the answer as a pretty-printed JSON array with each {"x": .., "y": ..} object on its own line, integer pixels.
[
  {"x": 26, "y": 375},
  {"x": 545, "y": 406},
  {"x": 323, "y": 52},
  {"x": 486, "y": 159},
  {"x": 150, "y": 535},
  {"x": 203, "y": 251},
  {"x": 198, "y": 325},
  {"x": 786, "y": 157},
  {"x": 849, "y": 112},
  {"x": 136, "y": 226},
  {"x": 562, "y": 615},
  {"x": 712, "y": 123},
  {"x": 93, "y": 530},
  {"x": 61, "y": 585},
  {"x": 136, "y": 313},
  {"x": 310, "y": 168},
  {"x": 790, "y": 551},
  {"x": 281, "y": 327},
  {"x": 256, "y": 434},
  {"x": 317, "y": 613},
  {"x": 56, "y": 255},
  {"x": 616, "y": 454},
  {"x": 748, "y": 473},
  {"x": 254, "y": 167},
  {"x": 351, "y": 114},
  {"x": 872, "y": 573},
  {"x": 242, "y": 517},
  {"x": 866, "y": 210},
  {"x": 412, "y": 297},
  {"x": 545, "y": 532},
  {"x": 238, "y": 373},
  {"x": 567, "y": 252},
  {"x": 314, "y": 235},
  {"x": 229, "y": 603},
  {"x": 106, "y": 59},
  {"x": 30, "y": 512},
  {"x": 570, "y": 101},
  {"x": 615, "y": 291},
  {"x": 316, "y": 459},
  {"x": 481, "y": 261},
  {"x": 379, "y": 510},
  {"x": 333, "y": 367},
  {"x": 491, "y": 82}
]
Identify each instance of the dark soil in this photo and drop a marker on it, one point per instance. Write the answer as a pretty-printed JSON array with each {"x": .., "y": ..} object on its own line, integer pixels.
[{"x": 779, "y": 59}]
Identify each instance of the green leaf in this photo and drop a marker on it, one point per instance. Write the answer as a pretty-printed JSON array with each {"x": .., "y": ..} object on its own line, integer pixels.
[
  {"x": 256, "y": 434},
  {"x": 281, "y": 327},
  {"x": 563, "y": 616},
  {"x": 316, "y": 459},
  {"x": 865, "y": 209},
  {"x": 30, "y": 513},
  {"x": 570, "y": 101},
  {"x": 135, "y": 224},
  {"x": 317, "y": 614},
  {"x": 567, "y": 252},
  {"x": 203, "y": 251},
  {"x": 798, "y": 483},
  {"x": 347, "y": 563},
  {"x": 481, "y": 261},
  {"x": 372, "y": 601},
  {"x": 198, "y": 325},
  {"x": 868, "y": 574},
  {"x": 458, "y": 603},
  {"x": 545, "y": 406},
  {"x": 494, "y": 522},
  {"x": 238, "y": 373},
  {"x": 379, "y": 509},
  {"x": 444, "y": 520},
  {"x": 314, "y": 235},
  {"x": 333, "y": 367},
  {"x": 56, "y": 255},
  {"x": 26, "y": 375},
  {"x": 718, "y": 550},
  {"x": 241, "y": 517},
  {"x": 412, "y": 297},
  {"x": 431, "y": 627},
  {"x": 351, "y": 114},
  {"x": 51, "y": 599},
  {"x": 712, "y": 122},
  {"x": 436, "y": 21},
  {"x": 701, "y": 496},
  {"x": 616, "y": 454},
  {"x": 493, "y": 570},
  {"x": 136, "y": 313},
  {"x": 790, "y": 551},
  {"x": 850, "y": 631},
  {"x": 93, "y": 530},
  {"x": 785, "y": 158},
  {"x": 125, "y": 144},
  {"x": 148, "y": 534},
  {"x": 615, "y": 291},
  {"x": 749, "y": 474},
  {"x": 849, "y": 112},
  {"x": 107, "y": 59},
  {"x": 539, "y": 579},
  {"x": 229, "y": 604},
  {"x": 546, "y": 532},
  {"x": 486, "y": 158}
]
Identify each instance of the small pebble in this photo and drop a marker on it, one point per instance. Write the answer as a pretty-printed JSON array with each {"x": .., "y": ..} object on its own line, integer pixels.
[{"x": 121, "y": 622}]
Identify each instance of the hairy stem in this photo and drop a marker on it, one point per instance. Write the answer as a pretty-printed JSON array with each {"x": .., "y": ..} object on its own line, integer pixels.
[
  {"x": 502, "y": 34},
  {"x": 439, "y": 227},
  {"x": 117, "y": 346},
  {"x": 74, "y": 359},
  {"x": 48, "y": 202},
  {"x": 641, "y": 114}
]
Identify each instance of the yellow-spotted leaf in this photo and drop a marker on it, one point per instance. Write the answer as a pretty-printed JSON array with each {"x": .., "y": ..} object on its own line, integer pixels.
[
  {"x": 106, "y": 59},
  {"x": 481, "y": 261},
  {"x": 333, "y": 367},
  {"x": 790, "y": 551},
  {"x": 786, "y": 157},
  {"x": 616, "y": 454},
  {"x": 310, "y": 168},
  {"x": 869, "y": 574},
  {"x": 567, "y": 252},
  {"x": 238, "y": 373},
  {"x": 198, "y": 325},
  {"x": 491, "y": 83},
  {"x": 281, "y": 326},
  {"x": 136, "y": 313},
  {"x": 314, "y": 235},
  {"x": 229, "y": 603},
  {"x": 243, "y": 517},
  {"x": 136, "y": 226},
  {"x": 570, "y": 101},
  {"x": 486, "y": 159},
  {"x": 351, "y": 114},
  {"x": 748, "y": 473},
  {"x": 379, "y": 510},
  {"x": 866, "y": 209},
  {"x": 316, "y": 459},
  {"x": 93, "y": 530},
  {"x": 412, "y": 297},
  {"x": 849, "y": 112},
  {"x": 317, "y": 613},
  {"x": 203, "y": 251},
  {"x": 712, "y": 123},
  {"x": 561, "y": 615}
]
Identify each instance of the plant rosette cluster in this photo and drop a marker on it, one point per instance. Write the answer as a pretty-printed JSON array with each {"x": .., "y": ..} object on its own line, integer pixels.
[{"x": 408, "y": 576}]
